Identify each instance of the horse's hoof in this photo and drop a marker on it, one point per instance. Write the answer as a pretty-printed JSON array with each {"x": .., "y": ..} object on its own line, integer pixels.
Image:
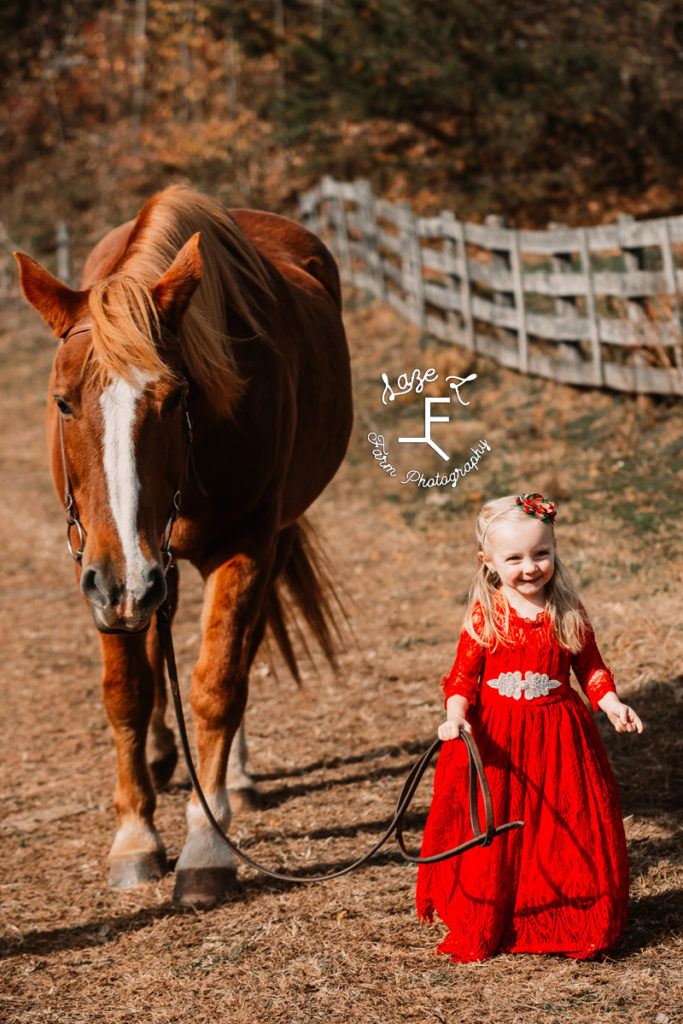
[
  {"x": 245, "y": 799},
  {"x": 203, "y": 887},
  {"x": 131, "y": 869},
  {"x": 162, "y": 770}
]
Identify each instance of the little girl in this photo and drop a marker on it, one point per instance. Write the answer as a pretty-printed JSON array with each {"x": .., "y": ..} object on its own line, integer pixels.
[{"x": 560, "y": 884}]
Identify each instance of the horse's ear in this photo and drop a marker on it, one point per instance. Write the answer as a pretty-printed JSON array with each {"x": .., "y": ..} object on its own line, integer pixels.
[
  {"x": 58, "y": 305},
  {"x": 173, "y": 291}
]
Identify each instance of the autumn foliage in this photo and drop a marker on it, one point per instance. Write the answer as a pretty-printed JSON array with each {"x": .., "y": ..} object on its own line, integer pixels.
[{"x": 561, "y": 111}]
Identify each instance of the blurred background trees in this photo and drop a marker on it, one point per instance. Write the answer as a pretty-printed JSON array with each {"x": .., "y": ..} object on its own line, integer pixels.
[
  {"x": 539, "y": 111},
  {"x": 514, "y": 88}
]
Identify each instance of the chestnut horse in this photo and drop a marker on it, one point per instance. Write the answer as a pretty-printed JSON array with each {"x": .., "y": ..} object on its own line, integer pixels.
[{"x": 216, "y": 368}]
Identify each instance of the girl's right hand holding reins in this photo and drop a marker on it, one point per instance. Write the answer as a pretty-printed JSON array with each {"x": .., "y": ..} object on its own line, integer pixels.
[{"x": 456, "y": 718}]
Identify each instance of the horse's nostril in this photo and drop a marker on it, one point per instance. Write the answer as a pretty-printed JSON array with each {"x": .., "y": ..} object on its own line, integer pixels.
[
  {"x": 156, "y": 588},
  {"x": 120, "y": 604},
  {"x": 93, "y": 586}
]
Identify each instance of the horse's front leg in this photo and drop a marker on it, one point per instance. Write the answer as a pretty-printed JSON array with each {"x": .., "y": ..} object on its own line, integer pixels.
[
  {"x": 137, "y": 853},
  {"x": 233, "y": 625}
]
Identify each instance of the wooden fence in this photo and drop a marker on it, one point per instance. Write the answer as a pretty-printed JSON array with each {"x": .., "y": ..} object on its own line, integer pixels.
[{"x": 597, "y": 306}]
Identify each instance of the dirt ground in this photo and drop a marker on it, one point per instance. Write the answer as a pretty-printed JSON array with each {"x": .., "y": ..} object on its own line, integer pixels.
[{"x": 330, "y": 760}]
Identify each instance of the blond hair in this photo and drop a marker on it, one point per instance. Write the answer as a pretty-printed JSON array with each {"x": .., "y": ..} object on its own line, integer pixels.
[{"x": 486, "y": 609}]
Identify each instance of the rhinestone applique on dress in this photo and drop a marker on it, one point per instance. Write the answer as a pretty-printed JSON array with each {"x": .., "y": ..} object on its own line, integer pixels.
[{"x": 534, "y": 684}]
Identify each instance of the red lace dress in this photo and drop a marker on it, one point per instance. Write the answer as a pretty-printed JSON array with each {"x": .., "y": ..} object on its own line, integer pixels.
[{"x": 560, "y": 884}]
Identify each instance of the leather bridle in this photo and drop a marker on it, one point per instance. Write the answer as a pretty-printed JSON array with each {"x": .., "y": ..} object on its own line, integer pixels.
[{"x": 73, "y": 520}]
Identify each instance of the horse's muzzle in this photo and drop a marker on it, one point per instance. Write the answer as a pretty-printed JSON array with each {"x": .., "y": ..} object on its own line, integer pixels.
[{"x": 118, "y": 607}]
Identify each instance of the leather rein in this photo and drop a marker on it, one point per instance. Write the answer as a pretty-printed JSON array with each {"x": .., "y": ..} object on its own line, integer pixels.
[
  {"x": 477, "y": 775},
  {"x": 476, "y": 769}
]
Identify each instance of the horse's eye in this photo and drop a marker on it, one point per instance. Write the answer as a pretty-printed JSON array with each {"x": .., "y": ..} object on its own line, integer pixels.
[
  {"x": 62, "y": 405},
  {"x": 176, "y": 397}
]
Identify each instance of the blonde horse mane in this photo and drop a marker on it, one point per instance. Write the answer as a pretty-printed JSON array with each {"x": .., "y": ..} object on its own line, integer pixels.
[{"x": 235, "y": 281}]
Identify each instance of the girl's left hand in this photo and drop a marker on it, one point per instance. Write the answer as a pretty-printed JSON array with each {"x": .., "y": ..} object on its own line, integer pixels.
[{"x": 622, "y": 717}]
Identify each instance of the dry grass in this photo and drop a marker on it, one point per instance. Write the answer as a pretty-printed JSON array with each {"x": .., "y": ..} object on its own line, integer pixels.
[{"x": 332, "y": 762}]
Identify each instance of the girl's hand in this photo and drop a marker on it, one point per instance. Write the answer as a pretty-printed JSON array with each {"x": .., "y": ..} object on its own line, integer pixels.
[
  {"x": 456, "y": 711},
  {"x": 450, "y": 729},
  {"x": 622, "y": 717}
]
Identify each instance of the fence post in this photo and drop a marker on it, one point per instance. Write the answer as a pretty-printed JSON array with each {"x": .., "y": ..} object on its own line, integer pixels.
[
  {"x": 332, "y": 189},
  {"x": 6, "y": 278},
  {"x": 518, "y": 283},
  {"x": 367, "y": 217},
  {"x": 63, "y": 256},
  {"x": 457, "y": 280},
  {"x": 591, "y": 312},
  {"x": 500, "y": 261},
  {"x": 309, "y": 210},
  {"x": 564, "y": 305},
  {"x": 669, "y": 265},
  {"x": 411, "y": 264},
  {"x": 633, "y": 260}
]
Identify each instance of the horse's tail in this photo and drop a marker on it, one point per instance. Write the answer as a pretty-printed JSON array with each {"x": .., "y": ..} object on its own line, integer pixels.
[{"x": 308, "y": 581}]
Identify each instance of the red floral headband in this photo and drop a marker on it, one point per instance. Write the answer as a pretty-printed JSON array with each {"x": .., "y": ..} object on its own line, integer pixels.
[{"x": 538, "y": 506}]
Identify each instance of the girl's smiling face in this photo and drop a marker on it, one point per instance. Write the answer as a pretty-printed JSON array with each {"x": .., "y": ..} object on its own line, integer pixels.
[{"x": 522, "y": 553}]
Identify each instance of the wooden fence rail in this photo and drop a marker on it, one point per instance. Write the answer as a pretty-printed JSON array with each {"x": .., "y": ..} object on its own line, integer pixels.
[{"x": 596, "y": 306}]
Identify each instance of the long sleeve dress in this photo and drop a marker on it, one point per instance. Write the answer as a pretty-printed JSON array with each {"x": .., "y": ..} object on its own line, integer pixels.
[{"x": 560, "y": 884}]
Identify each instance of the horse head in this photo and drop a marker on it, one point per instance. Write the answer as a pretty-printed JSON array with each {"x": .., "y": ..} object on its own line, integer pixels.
[{"x": 118, "y": 431}]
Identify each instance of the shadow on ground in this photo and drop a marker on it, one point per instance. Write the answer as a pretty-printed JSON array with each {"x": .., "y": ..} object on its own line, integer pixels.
[{"x": 648, "y": 771}]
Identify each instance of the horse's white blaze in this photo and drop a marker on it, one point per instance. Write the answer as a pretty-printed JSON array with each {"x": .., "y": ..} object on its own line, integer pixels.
[
  {"x": 203, "y": 848},
  {"x": 119, "y": 404}
]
